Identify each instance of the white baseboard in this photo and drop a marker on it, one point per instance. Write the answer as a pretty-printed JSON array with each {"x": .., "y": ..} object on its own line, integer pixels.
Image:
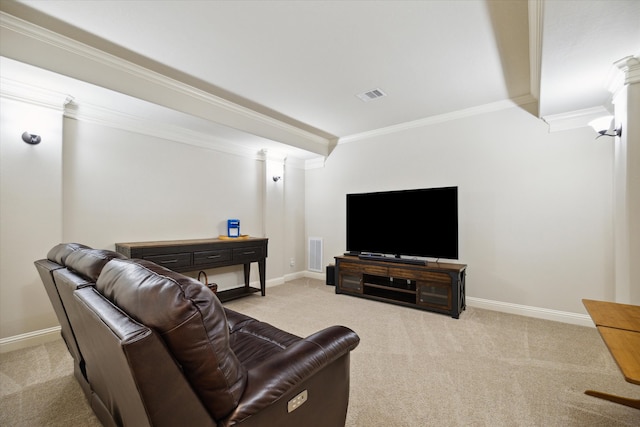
[
  {"x": 312, "y": 275},
  {"x": 296, "y": 275},
  {"x": 29, "y": 339},
  {"x": 537, "y": 312}
]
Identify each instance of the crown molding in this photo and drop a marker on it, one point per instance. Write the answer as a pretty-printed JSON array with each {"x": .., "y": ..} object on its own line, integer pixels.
[
  {"x": 95, "y": 114},
  {"x": 623, "y": 72},
  {"x": 292, "y": 162},
  {"x": 273, "y": 156},
  {"x": 18, "y": 91},
  {"x": 441, "y": 118},
  {"x": 283, "y": 159},
  {"x": 631, "y": 68},
  {"x": 316, "y": 163},
  {"x": 146, "y": 84},
  {"x": 574, "y": 119}
]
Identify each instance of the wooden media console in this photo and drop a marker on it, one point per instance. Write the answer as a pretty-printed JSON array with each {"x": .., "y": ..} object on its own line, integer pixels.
[{"x": 438, "y": 287}]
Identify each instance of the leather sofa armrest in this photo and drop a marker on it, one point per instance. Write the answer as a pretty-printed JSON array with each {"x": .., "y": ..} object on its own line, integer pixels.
[{"x": 281, "y": 373}]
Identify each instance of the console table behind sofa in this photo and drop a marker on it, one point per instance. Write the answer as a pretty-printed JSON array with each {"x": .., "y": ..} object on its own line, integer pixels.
[{"x": 202, "y": 254}]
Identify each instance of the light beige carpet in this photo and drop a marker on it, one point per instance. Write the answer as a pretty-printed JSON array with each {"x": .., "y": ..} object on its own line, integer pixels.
[{"x": 412, "y": 368}]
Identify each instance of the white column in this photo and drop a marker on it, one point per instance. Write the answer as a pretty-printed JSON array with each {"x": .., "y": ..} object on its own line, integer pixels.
[
  {"x": 275, "y": 181},
  {"x": 626, "y": 102}
]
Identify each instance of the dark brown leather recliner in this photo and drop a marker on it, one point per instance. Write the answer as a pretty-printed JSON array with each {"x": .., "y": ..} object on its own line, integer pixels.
[
  {"x": 159, "y": 349},
  {"x": 56, "y": 259}
]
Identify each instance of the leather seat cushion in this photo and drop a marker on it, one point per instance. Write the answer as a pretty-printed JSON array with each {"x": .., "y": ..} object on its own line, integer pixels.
[{"x": 191, "y": 321}]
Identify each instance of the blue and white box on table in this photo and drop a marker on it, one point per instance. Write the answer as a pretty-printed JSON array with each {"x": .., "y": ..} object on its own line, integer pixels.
[{"x": 233, "y": 227}]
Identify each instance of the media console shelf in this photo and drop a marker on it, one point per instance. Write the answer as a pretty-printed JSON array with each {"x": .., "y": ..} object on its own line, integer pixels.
[
  {"x": 438, "y": 287},
  {"x": 202, "y": 254}
]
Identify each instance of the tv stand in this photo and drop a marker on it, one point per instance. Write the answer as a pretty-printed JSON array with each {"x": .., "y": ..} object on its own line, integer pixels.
[{"x": 437, "y": 287}]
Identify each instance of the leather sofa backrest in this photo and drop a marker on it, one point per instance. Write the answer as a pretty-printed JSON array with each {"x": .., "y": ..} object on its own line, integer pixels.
[
  {"x": 191, "y": 321},
  {"x": 90, "y": 262},
  {"x": 130, "y": 369},
  {"x": 60, "y": 252}
]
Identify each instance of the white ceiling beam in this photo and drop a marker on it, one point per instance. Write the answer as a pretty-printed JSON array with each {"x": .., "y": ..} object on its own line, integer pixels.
[{"x": 41, "y": 47}]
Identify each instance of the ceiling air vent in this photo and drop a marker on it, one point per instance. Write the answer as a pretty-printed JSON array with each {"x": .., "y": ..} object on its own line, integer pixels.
[{"x": 371, "y": 95}]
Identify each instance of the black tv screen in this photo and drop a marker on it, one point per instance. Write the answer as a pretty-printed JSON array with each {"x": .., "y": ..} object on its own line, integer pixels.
[{"x": 422, "y": 222}]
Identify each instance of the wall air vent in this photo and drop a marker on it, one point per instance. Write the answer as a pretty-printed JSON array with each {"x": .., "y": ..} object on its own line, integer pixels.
[
  {"x": 315, "y": 254},
  {"x": 371, "y": 95}
]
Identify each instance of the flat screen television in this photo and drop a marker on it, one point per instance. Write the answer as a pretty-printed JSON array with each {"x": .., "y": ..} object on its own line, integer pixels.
[{"x": 421, "y": 222}]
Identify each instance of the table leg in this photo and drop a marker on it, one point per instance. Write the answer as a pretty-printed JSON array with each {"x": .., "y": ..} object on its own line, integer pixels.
[
  {"x": 247, "y": 271},
  {"x": 262, "y": 272},
  {"x": 633, "y": 403}
]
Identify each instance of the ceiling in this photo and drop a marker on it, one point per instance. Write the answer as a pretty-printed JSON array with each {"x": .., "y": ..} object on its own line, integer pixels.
[{"x": 285, "y": 75}]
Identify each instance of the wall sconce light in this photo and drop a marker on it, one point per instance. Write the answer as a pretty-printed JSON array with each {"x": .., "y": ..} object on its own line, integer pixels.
[
  {"x": 31, "y": 139},
  {"x": 602, "y": 126},
  {"x": 276, "y": 178}
]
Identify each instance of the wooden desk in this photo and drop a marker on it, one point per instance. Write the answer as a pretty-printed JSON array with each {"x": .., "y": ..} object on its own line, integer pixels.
[
  {"x": 614, "y": 315},
  {"x": 202, "y": 254},
  {"x": 619, "y": 327}
]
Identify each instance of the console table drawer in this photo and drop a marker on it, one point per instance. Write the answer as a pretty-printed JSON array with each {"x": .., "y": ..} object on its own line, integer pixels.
[
  {"x": 171, "y": 261},
  {"x": 208, "y": 257},
  {"x": 249, "y": 254}
]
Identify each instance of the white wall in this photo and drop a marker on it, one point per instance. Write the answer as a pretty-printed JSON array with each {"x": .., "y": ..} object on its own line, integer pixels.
[
  {"x": 99, "y": 184},
  {"x": 30, "y": 212},
  {"x": 535, "y": 219},
  {"x": 124, "y": 186},
  {"x": 121, "y": 186}
]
